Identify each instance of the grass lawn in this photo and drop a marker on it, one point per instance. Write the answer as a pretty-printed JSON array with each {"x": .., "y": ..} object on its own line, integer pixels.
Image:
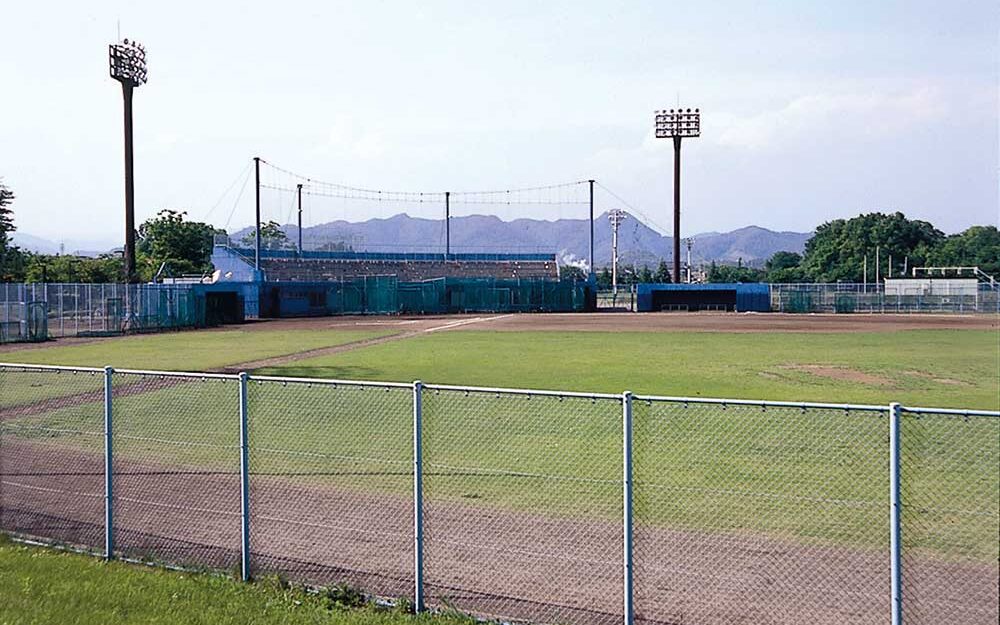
[
  {"x": 45, "y": 586},
  {"x": 943, "y": 368},
  {"x": 188, "y": 351}
]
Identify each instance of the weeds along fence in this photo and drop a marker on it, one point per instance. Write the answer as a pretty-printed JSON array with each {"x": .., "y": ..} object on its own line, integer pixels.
[
  {"x": 36, "y": 311},
  {"x": 542, "y": 506}
]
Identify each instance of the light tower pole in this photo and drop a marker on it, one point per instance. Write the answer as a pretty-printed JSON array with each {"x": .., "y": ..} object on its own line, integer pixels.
[
  {"x": 127, "y": 64},
  {"x": 677, "y": 124},
  {"x": 616, "y": 217}
]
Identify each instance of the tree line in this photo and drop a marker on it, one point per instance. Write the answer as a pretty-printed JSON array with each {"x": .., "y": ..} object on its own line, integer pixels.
[{"x": 841, "y": 250}]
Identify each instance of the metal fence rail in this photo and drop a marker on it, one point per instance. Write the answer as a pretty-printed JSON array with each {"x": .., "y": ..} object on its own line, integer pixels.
[{"x": 542, "y": 506}]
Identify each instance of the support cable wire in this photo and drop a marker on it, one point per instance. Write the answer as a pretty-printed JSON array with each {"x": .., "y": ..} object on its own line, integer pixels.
[
  {"x": 312, "y": 186},
  {"x": 225, "y": 193},
  {"x": 645, "y": 218}
]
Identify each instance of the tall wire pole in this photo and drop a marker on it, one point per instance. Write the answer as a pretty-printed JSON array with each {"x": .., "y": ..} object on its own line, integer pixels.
[
  {"x": 447, "y": 224},
  {"x": 298, "y": 189},
  {"x": 256, "y": 238}
]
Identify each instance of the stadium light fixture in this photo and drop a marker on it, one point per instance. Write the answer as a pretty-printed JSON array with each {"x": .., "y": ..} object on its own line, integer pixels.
[
  {"x": 677, "y": 124},
  {"x": 127, "y": 65}
]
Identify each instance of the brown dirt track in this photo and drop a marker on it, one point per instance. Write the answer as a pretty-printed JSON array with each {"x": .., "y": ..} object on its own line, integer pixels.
[
  {"x": 648, "y": 322},
  {"x": 491, "y": 561}
]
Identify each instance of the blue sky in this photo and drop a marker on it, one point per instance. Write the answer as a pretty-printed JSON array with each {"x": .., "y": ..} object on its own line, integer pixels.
[{"x": 811, "y": 110}]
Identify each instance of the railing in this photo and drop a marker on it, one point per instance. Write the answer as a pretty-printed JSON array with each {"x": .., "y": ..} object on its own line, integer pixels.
[{"x": 545, "y": 506}]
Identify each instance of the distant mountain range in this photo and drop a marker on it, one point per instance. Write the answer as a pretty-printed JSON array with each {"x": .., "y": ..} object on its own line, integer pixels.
[
  {"x": 569, "y": 238},
  {"x": 38, "y": 245}
]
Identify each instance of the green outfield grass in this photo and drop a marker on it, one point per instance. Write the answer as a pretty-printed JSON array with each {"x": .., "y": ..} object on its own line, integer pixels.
[
  {"x": 43, "y": 586},
  {"x": 943, "y": 368},
  {"x": 187, "y": 351}
]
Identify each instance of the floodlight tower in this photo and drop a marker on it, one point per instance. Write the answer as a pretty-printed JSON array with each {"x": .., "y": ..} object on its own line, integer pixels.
[
  {"x": 616, "y": 217},
  {"x": 677, "y": 124},
  {"x": 128, "y": 66}
]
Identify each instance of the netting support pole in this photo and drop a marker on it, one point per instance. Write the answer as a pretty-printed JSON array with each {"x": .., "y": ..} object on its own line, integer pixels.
[
  {"x": 629, "y": 611},
  {"x": 244, "y": 482},
  {"x": 447, "y": 224},
  {"x": 256, "y": 239},
  {"x": 109, "y": 493},
  {"x": 298, "y": 190},
  {"x": 895, "y": 512},
  {"x": 418, "y": 500}
]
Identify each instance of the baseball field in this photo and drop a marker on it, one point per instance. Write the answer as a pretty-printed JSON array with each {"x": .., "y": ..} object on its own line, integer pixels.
[{"x": 357, "y": 471}]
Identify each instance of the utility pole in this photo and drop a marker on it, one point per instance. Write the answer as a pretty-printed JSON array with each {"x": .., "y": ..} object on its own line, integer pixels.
[
  {"x": 447, "y": 224},
  {"x": 677, "y": 124},
  {"x": 591, "y": 227},
  {"x": 298, "y": 189},
  {"x": 127, "y": 62},
  {"x": 616, "y": 217},
  {"x": 690, "y": 242}
]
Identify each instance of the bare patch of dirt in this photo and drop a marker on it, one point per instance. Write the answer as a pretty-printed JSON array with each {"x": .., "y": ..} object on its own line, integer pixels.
[
  {"x": 844, "y": 374},
  {"x": 937, "y": 380}
]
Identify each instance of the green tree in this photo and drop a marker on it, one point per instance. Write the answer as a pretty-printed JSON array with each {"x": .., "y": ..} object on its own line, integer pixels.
[
  {"x": 662, "y": 272},
  {"x": 59, "y": 268},
  {"x": 645, "y": 275},
  {"x": 272, "y": 237},
  {"x": 728, "y": 273},
  {"x": 604, "y": 279},
  {"x": 978, "y": 246},
  {"x": 837, "y": 251},
  {"x": 784, "y": 267},
  {"x": 572, "y": 272},
  {"x": 11, "y": 258},
  {"x": 185, "y": 246}
]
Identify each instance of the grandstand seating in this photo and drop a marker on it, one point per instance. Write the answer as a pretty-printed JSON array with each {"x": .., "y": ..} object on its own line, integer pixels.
[{"x": 313, "y": 269}]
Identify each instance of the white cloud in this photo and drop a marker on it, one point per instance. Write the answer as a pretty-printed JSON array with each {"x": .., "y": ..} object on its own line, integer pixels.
[{"x": 813, "y": 117}]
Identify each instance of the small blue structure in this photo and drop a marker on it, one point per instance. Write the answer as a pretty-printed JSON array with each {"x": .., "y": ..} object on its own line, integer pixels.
[{"x": 730, "y": 296}]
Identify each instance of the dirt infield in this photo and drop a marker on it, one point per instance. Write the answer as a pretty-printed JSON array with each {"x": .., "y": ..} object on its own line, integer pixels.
[
  {"x": 487, "y": 560},
  {"x": 642, "y": 322}
]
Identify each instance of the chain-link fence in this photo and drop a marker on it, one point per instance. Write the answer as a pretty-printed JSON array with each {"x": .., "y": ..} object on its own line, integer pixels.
[
  {"x": 522, "y": 504},
  {"x": 96, "y": 309},
  {"x": 330, "y": 477},
  {"x": 517, "y": 505},
  {"x": 950, "y": 495},
  {"x": 846, "y": 297}
]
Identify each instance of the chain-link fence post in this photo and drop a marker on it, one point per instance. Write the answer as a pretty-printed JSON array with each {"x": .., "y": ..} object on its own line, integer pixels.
[
  {"x": 109, "y": 493},
  {"x": 895, "y": 512},
  {"x": 418, "y": 504},
  {"x": 627, "y": 503},
  {"x": 244, "y": 482}
]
